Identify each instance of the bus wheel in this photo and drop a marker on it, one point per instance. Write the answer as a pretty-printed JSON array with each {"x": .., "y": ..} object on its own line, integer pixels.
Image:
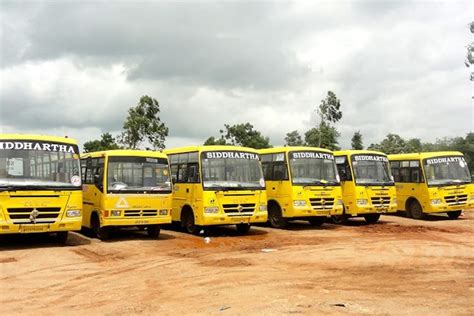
[
  {"x": 100, "y": 232},
  {"x": 188, "y": 223},
  {"x": 454, "y": 214},
  {"x": 317, "y": 221},
  {"x": 275, "y": 217},
  {"x": 61, "y": 237},
  {"x": 372, "y": 218},
  {"x": 339, "y": 219},
  {"x": 153, "y": 231},
  {"x": 416, "y": 211},
  {"x": 243, "y": 228}
]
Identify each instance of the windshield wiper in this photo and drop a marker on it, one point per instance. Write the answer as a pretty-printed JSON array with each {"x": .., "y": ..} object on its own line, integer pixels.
[{"x": 29, "y": 187}]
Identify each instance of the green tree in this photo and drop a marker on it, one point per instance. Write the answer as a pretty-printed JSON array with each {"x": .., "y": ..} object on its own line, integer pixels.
[
  {"x": 356, "y": 141},
  {"x": 414, "y": 145},
  {"x": 143, "y": 123},
  {"x": 106, "y": 142},
  {"x": 293, "y": 139},
  {"x": 328, "y": 112},
  {"x": 240, "y": 135},
  {"x": 326, "y": 139},
  {"x": 213, "y": 141},
  {"x": 392, "y": 144}
]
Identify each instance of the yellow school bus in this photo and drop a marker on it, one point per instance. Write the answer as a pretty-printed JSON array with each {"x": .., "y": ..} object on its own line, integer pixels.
[
  {"x": 40, "y": 185},
  {"x": 432, "y": 182},
  {"x": 217, "y": 185},
  {"x": 126, "y": 188},
  {"x": 302, "y": 183},
  {"x": 368, "y": 189}
]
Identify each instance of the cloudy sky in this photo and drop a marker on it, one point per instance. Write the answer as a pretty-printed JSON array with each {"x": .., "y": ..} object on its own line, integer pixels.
[{"x": 74, "y": 68}]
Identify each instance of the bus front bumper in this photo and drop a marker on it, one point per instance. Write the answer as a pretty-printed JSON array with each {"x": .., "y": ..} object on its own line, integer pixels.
[
  {"x": 135, "y": 221},
  {"x": 370, "y": 209},
  {"x": 298, "y": 212},
  {"x": 444, "y": 207},
  {"x": 224, "y": 219},
  {"x": 27, "y": 228}
]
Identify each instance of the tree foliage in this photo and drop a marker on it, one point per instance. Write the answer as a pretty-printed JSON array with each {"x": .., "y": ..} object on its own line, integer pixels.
[
  {"x": 329, "y": 111},
  {"x": 293, "y": 139},
  {"x": 324, "y": 137},
  {"x": 106, "y": 142},
  {"x": 356, "y": 141},
  {"x": 240, "y": 135},
  {"x": 143, "y": 123}
]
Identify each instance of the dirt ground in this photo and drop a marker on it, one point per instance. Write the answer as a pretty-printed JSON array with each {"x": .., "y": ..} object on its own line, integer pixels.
[{"x": 397, "y": 266}]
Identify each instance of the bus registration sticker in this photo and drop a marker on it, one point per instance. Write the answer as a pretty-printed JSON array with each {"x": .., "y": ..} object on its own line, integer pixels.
[{"x": 33, "y": 228}]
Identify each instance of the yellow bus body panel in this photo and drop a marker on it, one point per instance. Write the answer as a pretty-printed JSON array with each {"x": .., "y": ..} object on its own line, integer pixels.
[
  {"x": 52, "y": 202},
  {"x": 194, "y": 196},
  {"x": 140, "y": 209},
  {"x": 376, "y": 196},
  {"x": 284, "y": 192},
  {"x": 424, "y": 194}
]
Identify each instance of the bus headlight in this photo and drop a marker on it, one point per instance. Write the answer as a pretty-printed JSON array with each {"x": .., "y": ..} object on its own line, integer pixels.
[
  {"x": 435, "y": 201},
  {"x": 299, "y": 203},
  {"x": 163, "y": 212},
  {"x": 362, "y": 202},
  {"x": 115, "y": 213},
  {"x": 211, "y": 210},
  {"x": 73, "y": 213},
  {"x": 262, "y": 208},
  {"x": 472, "y": 197},
  {"x": 339, "y": 202}
]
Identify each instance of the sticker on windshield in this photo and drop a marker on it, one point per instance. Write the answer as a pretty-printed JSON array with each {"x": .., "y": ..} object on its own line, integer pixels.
[
  {"x": 76, "y": 181},
  {"x": 121, "y": 203},
  {"x": 262, "y": 182},
  {"x": 462, "y": 164},
  {"x": 165, "y": 172}
]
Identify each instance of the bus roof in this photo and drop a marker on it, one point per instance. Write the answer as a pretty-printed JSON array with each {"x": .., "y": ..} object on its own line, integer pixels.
[
  {"x": 292, "y": 148},
  {"x": 423, "y": 155},
  {"x": 202, "y": 148},
  {"x": 358, "y": 152},
  {"x": 125, "y": 152},
  {"x": 33, "y": 137}
]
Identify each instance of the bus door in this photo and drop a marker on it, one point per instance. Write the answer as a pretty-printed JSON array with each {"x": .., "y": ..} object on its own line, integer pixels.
[{"x": 93, "y": 186}]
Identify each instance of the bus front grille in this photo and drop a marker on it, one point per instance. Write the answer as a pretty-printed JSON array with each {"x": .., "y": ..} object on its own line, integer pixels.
[
  {"x": 140, "y": 213},
  {"x": 244, "y": 209},
  {"x": 322, "y": 203},
  {"x": 380, "y": 201},
  {"x": 29, "y": 215},
  {"x": 456, "y": 199}
]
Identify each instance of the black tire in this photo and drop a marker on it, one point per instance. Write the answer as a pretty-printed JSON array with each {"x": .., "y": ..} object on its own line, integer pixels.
[
  {"x": 61, "y": 237},
  {"x": 340, "y": 219},
  {"x": 275, "y": 217},
  {"x": 103, "y": 233},
  {"x": 189, "y": 224},
  {"x": 317, "y": 221},
  {"x": 243, "y": 229},
  {"x": 415, "y": 210},
  {"x": 454, "y": 214},
  {"x": 372, "y": 218},
  {"x": 153, "y": 231}
]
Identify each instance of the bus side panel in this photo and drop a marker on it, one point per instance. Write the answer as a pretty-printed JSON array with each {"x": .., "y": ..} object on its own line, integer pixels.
[
  {"x": 92, "y": 202},
  {"x": 349, "y": 197}
]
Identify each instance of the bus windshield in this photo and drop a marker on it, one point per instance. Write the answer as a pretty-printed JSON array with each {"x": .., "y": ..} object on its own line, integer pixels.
[
  {"x": 36, "y": 168},
  {"x": 446, "y": 170},
  {"x": 231, "y": 170},
  {"x": 371, "y": 170},
  {"x": 313, "y": 168},
  {"x": 138, "y": 174}
]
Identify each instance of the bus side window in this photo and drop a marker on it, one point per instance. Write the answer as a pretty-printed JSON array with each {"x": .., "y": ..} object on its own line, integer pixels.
[
  {"x": 182, "y": 173},
  {"x": 395, "y": 166},
  {"x": 266, "y": 167},
  {"x": 174, "y": 173},
  {"x": 193, "y": 173},
  {"x": 279, "y": 172},
  {"x": 344, "y": 171}
]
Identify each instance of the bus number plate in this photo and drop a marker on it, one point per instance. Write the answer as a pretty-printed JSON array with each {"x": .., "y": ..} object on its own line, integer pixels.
[
  {"x": 140, "y": 222},
  {"x": 33, "y": 228}
]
